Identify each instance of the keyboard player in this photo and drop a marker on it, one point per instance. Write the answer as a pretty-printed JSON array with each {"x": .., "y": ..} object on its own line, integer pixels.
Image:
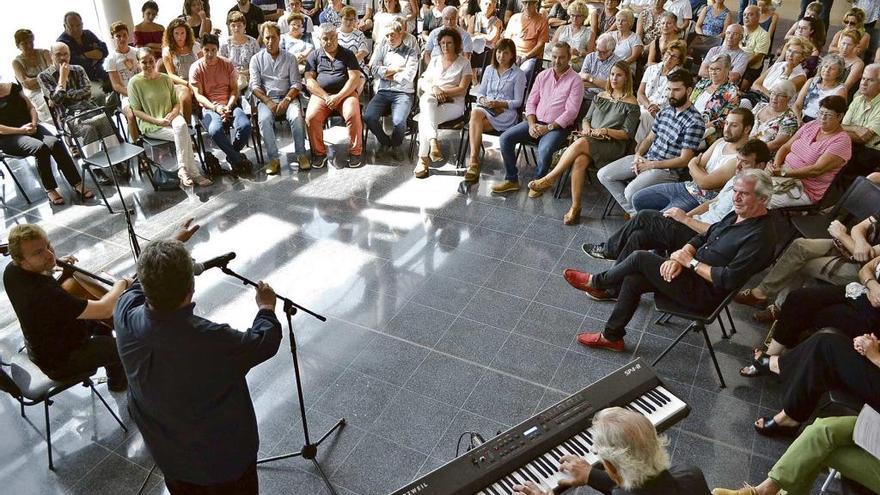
[{"x": 634, "y": 458}]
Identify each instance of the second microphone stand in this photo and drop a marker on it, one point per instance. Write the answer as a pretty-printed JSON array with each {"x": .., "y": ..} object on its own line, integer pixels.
[{"x": 310, "y": 449}]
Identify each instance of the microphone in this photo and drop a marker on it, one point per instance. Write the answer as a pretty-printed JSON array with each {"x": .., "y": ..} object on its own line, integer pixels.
[{"x": 215, "y": 262}]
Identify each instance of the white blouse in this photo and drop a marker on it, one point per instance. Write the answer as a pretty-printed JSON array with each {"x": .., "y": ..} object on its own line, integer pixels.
[{"x": 434, "y": 75}]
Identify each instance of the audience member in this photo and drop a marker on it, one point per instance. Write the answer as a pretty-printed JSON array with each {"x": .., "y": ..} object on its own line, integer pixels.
[
  {"x": 215, "y": 86},
  {"x": 712, "y": 23},
  {"x": 862, "y": 123},
  {"x": 253, "y": 16},
  {"x": 653, "y": 91},
  {"x": 450, "y": 20},
  {"x": 551, "y": 111},
  {"x": 715, "y": 96},
  {"x": 65, "y": 84},
  {"x": 787, "y": 68},
  {"x": 768, "y": 17},
  {"x": 352, "y": 38},
  {"x": 295, "y": 7},
  {"x": 239, "y": 47},
  {"x": 682, "y": 10},
  {"x": 180, "y": 50},
  {"x": 487, "y": 26},
  {"x": 529, "y": 31},
  {"x": 853, "y": 63},
  {"x": 294, "y": 41},
  {"x": 198, "y": 17},
  {"x": 148, "y": 33},
  {"x": 154, "y": 102},
  {"x": 395, "y": 67},
  {"x": 853, "y": 19},
  {"x": 605, "y": 18},
  {"x": 557, "y": 14},
  {"x": 597, "y": 66},
  {"x": 810, "y": 29},
  {"x": 806, "y": 165},
  {"x": 667, "y": 32},
  {"x": 775, "y": 121},
  {"x": 665, "y": 153},
  {"x": 628, "y": 45},
  {"x": 579, "y": 37},
  {"x": 272, "y": 9},
  {"x": 499, "y": 99},
  {"x": 364, "y": 11},
  {"x": 88, "y": 52},
  {"x": 829, "y": 81},
  {"x": 432, "y": 18},
  {"x": 739, "y": 60},
  {"x": 333, "y": 77},
  {"x": 605, "y": 136},
  {"x": 443, "y": 88},
  {"x": 27, "y": 66},
  {"x": 121, "y": 65},
  {"x": 389, "y": 11},
  {"x": 332, "y": 13},
  {"x": 648, "y": 24},
  {"x": 275, "y": 82}
]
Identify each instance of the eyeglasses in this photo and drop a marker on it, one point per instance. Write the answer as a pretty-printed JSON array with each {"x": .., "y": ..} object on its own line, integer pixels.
[
  {"x": 776, "y": 94},
  {"x": 827, "y": 114}
]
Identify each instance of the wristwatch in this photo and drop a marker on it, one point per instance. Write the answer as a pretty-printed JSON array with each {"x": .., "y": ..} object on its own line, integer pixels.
[
  {"x": 551, "y": 126},
  {"x": 782, "y": 172},
  {"x": 693, "y": 264},
  {"x": 590, "y": 79}
]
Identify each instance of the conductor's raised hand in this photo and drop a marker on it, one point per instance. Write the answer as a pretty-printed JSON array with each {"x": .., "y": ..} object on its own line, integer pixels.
[
  {"x": 265, "y": 296},
  {"x": 186, "y": 230}
]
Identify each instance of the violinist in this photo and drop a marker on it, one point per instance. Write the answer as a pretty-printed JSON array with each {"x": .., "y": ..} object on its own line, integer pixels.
[{"x": 64, "y": 334}]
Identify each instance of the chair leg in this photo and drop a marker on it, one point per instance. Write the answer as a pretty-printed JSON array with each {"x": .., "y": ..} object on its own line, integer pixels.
[
  {"x": 46, "y": 405},
  {"x": 98, "y": 186},
  {"x": 827, "y": 484},
  {"x": 92, "y": 386},
  {"x": 17, "y": 184},
  {"x": 723, "y": 329},
  {"x": 673, "y": 344},
  {"x": 21, "y": 403},
  {"x": 730, "y": 320},
  {"x": 712, "y": 354}
]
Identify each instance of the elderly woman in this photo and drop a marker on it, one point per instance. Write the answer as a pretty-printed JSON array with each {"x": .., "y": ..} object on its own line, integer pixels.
[
  {"x": 715, "y": 96},
  {"x": 668, "y": 32},
  {"x": 179, "y": 51},
  {"x": 443, "y": 86},
  {"x": 648, "y": 26},
  {"x": 153, "y": 100},
  {"x": 579, "y": 37},
  {"x": 197, "y": 17},
  {"x": 775, "y": 121},
  {"x": 239, "y": 47},
  {"x": 27, "y": 65},
  {"x": 350, "y": 37},
  {"x": 487, "y": 25},
  {"x": 147, "y": 32},
  {"x": 807, "y": 163},
  {"x": 607, "y": 129},
  {"x": 21, "y": 134},
  {"x": 795, "y": 50},
  {"x": 811, "y": 29},
  {"x": 499, "y": 98},
  {"x": 629, "y": 45},
  {"x": 653, "y": 93},
  {"x": 634, "y": 460},
  {"x": 854, "y": 19},
  {"x": 828, "y": 82},
  {"x": 332, "y": 14},
  {"x": 852, "y": 62}
]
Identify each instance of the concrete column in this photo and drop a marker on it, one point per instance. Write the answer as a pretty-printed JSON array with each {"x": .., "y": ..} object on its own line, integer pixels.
[{"x": 110, "y": 11}]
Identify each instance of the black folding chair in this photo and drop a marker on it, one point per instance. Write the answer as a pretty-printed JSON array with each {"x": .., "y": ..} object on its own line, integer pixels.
[
  {"x": 3, "y": 158},
  {"x": 858, "y": 203}
]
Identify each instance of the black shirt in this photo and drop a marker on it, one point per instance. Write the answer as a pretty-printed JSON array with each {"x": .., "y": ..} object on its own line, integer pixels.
[
  {"x": 736, "y": 251},
  {"x": 677, "y": 480},
  {"x": 187, "y": 390},
  {"x": 254, "y": 17},
  {"x": 47, "y": 315},
  {"x": 332, "y": 73},
  {"x": 13, "y": 109}
]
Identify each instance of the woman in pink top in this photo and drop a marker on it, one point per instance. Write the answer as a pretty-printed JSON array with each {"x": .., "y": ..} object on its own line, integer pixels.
[{"x": 813, "y": 156}]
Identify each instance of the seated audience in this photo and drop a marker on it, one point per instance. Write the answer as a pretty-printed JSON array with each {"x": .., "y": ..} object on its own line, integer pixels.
[
  {"x": 551, "y": 111},
  {"x": 755, "y": 42},
  {"x": 198, "y": 17},
  {"x": 364, "y": 12},
  {"x": 389, "y": 10},
  {"x": 450, "y": 20},
  {"x": 272, "y": 9},
  {"x": 333, "y": 78},
  {"x": 215, "y": 86},
  {"x": 828, "y": 81},
  {"x": 275, "y": 82},
  {"x": 788, "y": 67},
  {"x": 487, "y": 26},
  {"x": 648, "y": 24},
  {"x": 395, "y": 66},
  {"x": 605, "y": 136},
  {"x": 253, "y": 17},
  {"x": 862, "y": 123},
  {"x": 352, "y": 38},
  {"x": 666, "y": 32},
  {"x": 816, "y": 10},
  {"x": 768, "y": 18},
  {"x": 853, "y": 19},
  {"x": 634, "y": 460},
  {"x": 853, "y": 63},
  {"x": 653, "y": 90},
  {"x": 86, "y": 51},
  {"x": 180, "y": 50},
  {"x": 294, "y": 41},
  {"x": 121, "y": 65},
  {"x": 712, "y": 23},
  {"x": 154, "y": 102},
  {"x": 295, "y": 7},
  {"x": 835, "y": 260},
  {"x": 21, "y": 134},
  {"x": 467, "y": 14},
  {"x": 628, "y": 45},
  {"x": 579, "y": 37},
  {"x": 682, "y": 10},
  {"x": 332, "y": 13},
  {"x": 715, "y": 96},
  {"x": 499, "y": 100},
  {"x": 239, "y": 47},
  {"x": 432, "y": 18},
  {"x": 775, "y": 121},
  {"x": 806, "y": 165},
  {"x": 739, "y": 60},
  {"x": 699, "y": 275},
  {"x": 709, "y": 171},
  {"x": 827, "y": 443},
  {"x": 529, "y": 31},
  {"x": 557, "y": 14},
  {"x": 443, "y": 87},
  {"x": 597, "y": 66},
  {"x": 812, "y": 30},
  {"x": 76, "y": 336},
  {"x": 148, "y": 33},
  {"x": 662, "y": 156},
  {"x": 66, "y": 86},
  {"x": 27, "y": 66},
  {"x": 605, "y": 19}
]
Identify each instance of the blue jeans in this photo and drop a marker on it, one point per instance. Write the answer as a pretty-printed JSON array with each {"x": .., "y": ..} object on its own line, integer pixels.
[
  {"x": 399, "y": 104},
  {"x": 241, "y": 130},
  {"x": 661, "y": 197},
  {"x": 265, "y": 118},
  {"x": 547, "y": 145}
]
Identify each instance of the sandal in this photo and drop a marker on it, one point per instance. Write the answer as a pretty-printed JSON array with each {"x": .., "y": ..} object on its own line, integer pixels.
[
  {"x": 55, "y": 198},
  {"x": 473, "y": 172},
  {"x": 421, "y": 171},
  {"x": 185, "y": 179},
  {"x": 203, "y": 181},
  {"x": 760, "y": 366},
  {"x": 573, "y": 217},
  {"x": 771, "y": 428},
  {"x": 86, "y": 193},
  {"x": 540, "y": 185},
  {"x": 436, "y": 155}
]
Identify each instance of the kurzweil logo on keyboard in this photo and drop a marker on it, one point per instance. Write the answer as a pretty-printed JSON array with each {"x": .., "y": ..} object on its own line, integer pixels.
[
  {"x": 416, "y": 489},
  {"x": 632, "y": 369}
]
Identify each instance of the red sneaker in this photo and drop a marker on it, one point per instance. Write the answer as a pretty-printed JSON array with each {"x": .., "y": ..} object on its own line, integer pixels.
[
  {"x": 581, "y": 280},
  {"x": 597, "y": 341}
]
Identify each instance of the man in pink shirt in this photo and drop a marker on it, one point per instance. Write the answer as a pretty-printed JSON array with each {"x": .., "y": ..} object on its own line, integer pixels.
[
  {"x": 551, "y": 111},
  {"x": 814, "y": 155}
]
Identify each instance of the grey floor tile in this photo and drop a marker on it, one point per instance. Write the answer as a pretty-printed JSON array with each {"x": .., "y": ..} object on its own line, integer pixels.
[
  {"x": 357, "y": 397},
  {"x": 419, "y": 324},
  {"x": 534, "y": 254},
  {"x": 445, "y": 294},
  {"x": 465, "y": 421},
  {"x": 548, "y": 324},
  {"x": 722, "y": 466},
  {"x": 368, "y": 471},
  {"x": 389, "y": 359},
  {"x": 445, "y": 379},
  {"x": 725, "y": 419},
  {"x": 505, "y": 399},
  {"x": 680, "y": 364},
  {"x": 472, "y": 340},
  {"x": 414, "y": 421},
  {"x": 557, "y": 293},
  {"x": 550, "y": 230},
  {"x": 495, "y": 308},
  {"x": 528, "y": 359},
  {"x": 487, "y": 242},
  {"x": 577, "y": 370},
  {"x": 507, "y": 220},
  {"x": 516, "y": 279},
  {"x": 467, "y": 267},
  {"x": 112, "y": 475}
]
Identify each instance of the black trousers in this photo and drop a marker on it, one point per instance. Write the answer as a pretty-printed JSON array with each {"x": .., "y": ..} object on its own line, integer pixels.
[
  {"x": 647, "y": 230},
  {"x": 810, "y": 309},
  {"x": 247, "y": 484},
  {"x": 98, "y": 351},
  {"x": 826, "y": 361},
  {"x": 43, "y": 146},
  {"x": 638, "y": 274}
]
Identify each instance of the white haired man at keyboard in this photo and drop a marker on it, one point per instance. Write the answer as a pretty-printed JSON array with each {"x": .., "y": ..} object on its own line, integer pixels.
[{"x": 634, "y": 459}]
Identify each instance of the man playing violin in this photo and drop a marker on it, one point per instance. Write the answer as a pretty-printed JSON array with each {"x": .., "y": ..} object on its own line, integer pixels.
[{"x": 64, "y": 334}]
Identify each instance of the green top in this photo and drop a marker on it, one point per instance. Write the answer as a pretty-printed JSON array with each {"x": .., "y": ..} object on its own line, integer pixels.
[
  {"x": 866, "y": 114},
  {"x": 155, "y": 98}
]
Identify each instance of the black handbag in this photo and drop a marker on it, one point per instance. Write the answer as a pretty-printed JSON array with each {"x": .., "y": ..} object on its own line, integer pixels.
[{"x": 165, "y": 180}]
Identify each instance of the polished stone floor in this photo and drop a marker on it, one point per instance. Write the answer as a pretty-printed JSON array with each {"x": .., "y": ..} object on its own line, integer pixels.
[{"x": 446, "y": 312}]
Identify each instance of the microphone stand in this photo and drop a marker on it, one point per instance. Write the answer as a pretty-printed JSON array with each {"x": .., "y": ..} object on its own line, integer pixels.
[
  {"x": 132, "y": 235},
  {"x": 309, "y": 450}
]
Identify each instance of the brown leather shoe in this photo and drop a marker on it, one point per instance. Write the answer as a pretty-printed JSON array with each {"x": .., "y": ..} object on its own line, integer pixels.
[
  {"x": 746, "y": 297},
  {"x": 767, "y": 315}
]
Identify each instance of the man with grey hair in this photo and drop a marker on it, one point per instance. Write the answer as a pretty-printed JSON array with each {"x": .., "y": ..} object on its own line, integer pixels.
[
  {"x": 634, "y": 459},
  {"x": 597, "y": 66},
  {"x": 862, "y": 123},
  {"x": 739, "y": 60},
  {"x": 86, "y": 51},
  {"x": 187, "y": 389},
  {"x": 756, "y": 43},
  {"x": 450, "y": 20},
  {"x": 698, "y": 276}
]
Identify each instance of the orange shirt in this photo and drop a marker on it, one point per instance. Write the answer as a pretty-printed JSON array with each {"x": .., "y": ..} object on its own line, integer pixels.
[{"x": 526, "y": 33}]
